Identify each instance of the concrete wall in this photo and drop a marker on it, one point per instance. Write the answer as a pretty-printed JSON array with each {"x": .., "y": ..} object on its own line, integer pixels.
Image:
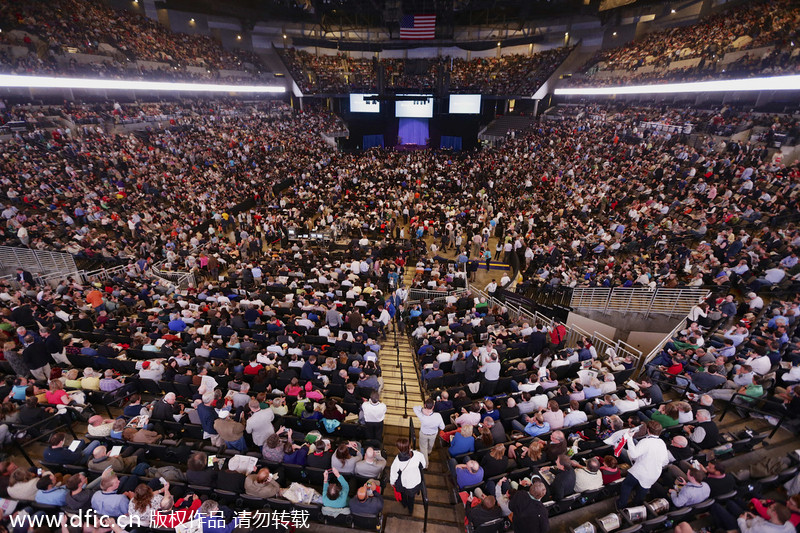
[
  {"x": 590, "y": 326},
  {"x": 644, "y": 340}
]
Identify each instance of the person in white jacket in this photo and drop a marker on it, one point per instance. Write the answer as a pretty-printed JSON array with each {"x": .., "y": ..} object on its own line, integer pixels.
[
  {"x": 406, "y": 473},
  {"x": 649, "y": 457}
]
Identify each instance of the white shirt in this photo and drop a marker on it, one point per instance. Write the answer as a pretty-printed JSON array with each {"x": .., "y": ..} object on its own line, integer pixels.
[
  {"x": 260, "y": 426},
  {"x": 409, "y": 470},
  {"x": 760, "y": 364},
  {"x": 574, "y": 418},
  {"x": 373, "y": 412},
  {"x": 649, "y": 457},
  {"x": 491, "y": 371},
  {"x": 429, "y": 424}
]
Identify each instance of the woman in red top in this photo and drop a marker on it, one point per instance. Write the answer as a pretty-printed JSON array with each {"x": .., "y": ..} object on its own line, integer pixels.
[
  {"x": 57, "y": 395},
  {"x": 610, "y": 470}
]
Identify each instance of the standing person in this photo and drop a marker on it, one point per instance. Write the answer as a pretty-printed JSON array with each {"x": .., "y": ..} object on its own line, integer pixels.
[
  {"x": 406, "y": 472},
  {"x": 530, "y": 515},
  {"x": 430, "y": 425},
  {"x": 374, "y": 412},
  {"x": 649, "y": 457}
]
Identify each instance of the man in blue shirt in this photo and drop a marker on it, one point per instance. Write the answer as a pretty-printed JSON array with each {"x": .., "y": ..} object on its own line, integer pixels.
[
  {"x": 468, "y": 474},
  {"x": 433, "y": 373},
  {"x": 535, "y": 426},
  {"x": 49, "y": 493},
  {"x": 107, "y": 501}
]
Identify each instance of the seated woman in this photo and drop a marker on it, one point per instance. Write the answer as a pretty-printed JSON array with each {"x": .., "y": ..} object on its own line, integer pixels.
[
  {"x": 346, "y": 456},
  {"x": 294, "y": 454},
  {"x": 462, "y": 442},
  {"x": 528, "y": 456},
  {"x": 610, "y": 470},
  {"x": 496, "y": 461},
  {"x": 334, "y": 494},
  {"x": 146, "y": 501}
]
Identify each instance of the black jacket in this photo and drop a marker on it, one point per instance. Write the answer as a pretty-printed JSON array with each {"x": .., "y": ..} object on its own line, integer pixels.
[
  {"x": 563, "y": 484},
  {"x": 36, "y": 355},
  {"x": 530, "y": 515}
]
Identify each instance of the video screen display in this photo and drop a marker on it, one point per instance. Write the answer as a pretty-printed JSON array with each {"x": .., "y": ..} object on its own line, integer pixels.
[
  {"x": 359, "y": 104},
  {"x": 465, "y": 104},
  {"x": 422, "y": 108}
]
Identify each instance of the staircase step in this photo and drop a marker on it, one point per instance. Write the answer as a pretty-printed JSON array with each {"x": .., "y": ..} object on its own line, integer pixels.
[
  {"x": 435, "y": 512},
  {"x": 404, "y": 523}
]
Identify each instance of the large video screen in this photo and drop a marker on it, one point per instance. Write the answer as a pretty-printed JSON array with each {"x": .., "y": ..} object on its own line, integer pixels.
[
  {"x": 422, "y": 108},
  {"x": 359, "y": 104},
  {"x": 465, "y": 104}
]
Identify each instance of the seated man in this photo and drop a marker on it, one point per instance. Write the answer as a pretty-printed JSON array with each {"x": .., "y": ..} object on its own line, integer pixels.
[
  {"x": 535, "y": 426},
  {"x": 124, "y": 463},
  {"x": 367, "y": 501},
  {"x": 49, "y": 492},
  {"x": 487, "y": 511},
  {"x": 372, "y": 465},
  {"x": 231, "y": 431},
  {"x": 58, "y": 453},
  {"x": 690, "y": 491},
  {"x": 467, "y": 474},
  {"x": 432, "y": 373},
  {"x": 705, "y": 433},
  {"x": 588, "y": 477},
  {"x": 262, "y": 484},
  {"x": 108, "y": 500}
]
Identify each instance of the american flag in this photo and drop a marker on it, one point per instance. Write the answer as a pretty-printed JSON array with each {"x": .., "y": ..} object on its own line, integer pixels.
[{"x": 418, "y": 27}]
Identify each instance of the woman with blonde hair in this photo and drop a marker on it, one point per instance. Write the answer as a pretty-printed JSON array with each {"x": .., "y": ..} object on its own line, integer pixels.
[
  {"x": 463, "y": 441},
  {"x": 496, "y": 461},
  {"x": 528, "y": 456}
]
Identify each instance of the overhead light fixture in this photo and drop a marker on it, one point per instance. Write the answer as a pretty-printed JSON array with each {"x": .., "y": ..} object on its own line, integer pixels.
[
  {"x": 238, "y": 37},
  {"x": 191, "y": 21},
  {"x": 614, "y": 34},
  {"x": 47, "y": 82},
  {"x": 773, "y": 83}
]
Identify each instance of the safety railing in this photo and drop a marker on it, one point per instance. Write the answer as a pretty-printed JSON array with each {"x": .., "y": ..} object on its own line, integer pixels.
[
  {"x": 573, "y": 334},
  {"x": 660, "y": 346},
  {"x": 36, "y": 261},
  {"x": 182, "y": 280},
  {"x": 666, "y": 301},
  {"x": 420, "y": 295}
]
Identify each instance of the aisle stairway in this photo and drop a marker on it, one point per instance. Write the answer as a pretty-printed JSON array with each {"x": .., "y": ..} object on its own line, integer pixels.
[{"x": 443, "y": 516}]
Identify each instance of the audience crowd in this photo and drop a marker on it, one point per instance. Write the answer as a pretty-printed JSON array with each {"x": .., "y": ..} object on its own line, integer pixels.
[
  {"x": 513, "y": 74},
  {"x": 767, "y": 28}
]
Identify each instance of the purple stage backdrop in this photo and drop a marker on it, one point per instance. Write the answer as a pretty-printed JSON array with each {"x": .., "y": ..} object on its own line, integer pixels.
[{"x": 413, "y": 131}]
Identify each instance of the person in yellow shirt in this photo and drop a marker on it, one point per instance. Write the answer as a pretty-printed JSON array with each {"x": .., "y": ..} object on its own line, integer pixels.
[{"x": 91, "y": 379}]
